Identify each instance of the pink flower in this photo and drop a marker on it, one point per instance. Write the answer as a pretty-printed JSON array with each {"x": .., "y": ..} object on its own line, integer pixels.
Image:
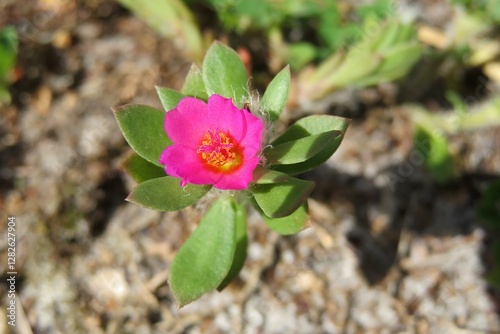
[{"x": 214, "y": 143}]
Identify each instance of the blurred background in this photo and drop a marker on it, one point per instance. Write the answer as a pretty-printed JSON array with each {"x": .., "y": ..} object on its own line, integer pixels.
[{"x": 405, "y": 217}]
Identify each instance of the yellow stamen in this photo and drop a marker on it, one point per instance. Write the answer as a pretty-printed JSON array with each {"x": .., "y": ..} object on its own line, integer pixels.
[{"x": 219, "y": 151}]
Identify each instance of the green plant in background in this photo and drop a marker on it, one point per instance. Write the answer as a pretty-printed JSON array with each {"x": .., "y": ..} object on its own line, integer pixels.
[
  {"x": 330, "y": 24},
  {"x": 472, "y": 34},
  {"x": 470, "y": 43},
  {"x": 376, "y": 51},
  {"x": 433, "y": 129},
  {"x": 212, "y": 139},
  {"x": 172, "y": 19},
  {"x": 385, "y": 56},
  {"x": 434, "y": 146},
  {"x": 8, "y": 53},
  {"x": 489, "y": 10}
]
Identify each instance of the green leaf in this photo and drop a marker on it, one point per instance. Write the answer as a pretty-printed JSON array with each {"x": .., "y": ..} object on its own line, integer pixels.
[
  {"x": 327, "y": 66},
  {"x": 204, "y": 260},
  {"x": 240, "y": 251},
  {"x": 262, "y": 175},
  {"x": 276, "y": 95},
  {"x": 8, "y": 49},
  {"x": 142, "y": 127},
  {"x": 397, "y": 62},
  {"x": 281, "y": 199},
  {"x": 294, "y": 223},
  {"x": 165, "y": 194},
  {"x": 169, "y": 98},
  {"x": 300, "y": 54},
  {"x": 300, "y": 150},
  {"x": 225, "y": 74},
  {"x": 401, "y": 57},
  {"x": 194, "y": 85},
  {"x": 438, "y": 158},
  {"x": 388, "y": 36},
  {"x": 310, "y": 126},
  {"x": 140, "y": 169},
  {"x": 356, "y": 66}
]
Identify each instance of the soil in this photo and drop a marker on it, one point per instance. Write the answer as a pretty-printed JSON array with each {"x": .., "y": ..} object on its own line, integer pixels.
[{"x": 389, "y": 250}]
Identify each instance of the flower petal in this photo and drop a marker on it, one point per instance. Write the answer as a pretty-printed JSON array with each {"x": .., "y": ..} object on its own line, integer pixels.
[
  {"x": 253, "y": 135},
  {"x": 188, "y": 122},
  {"x": 183, "y": 162},
  {"x": 226, "y": 117},
  {"x": 239, "y": 179}
]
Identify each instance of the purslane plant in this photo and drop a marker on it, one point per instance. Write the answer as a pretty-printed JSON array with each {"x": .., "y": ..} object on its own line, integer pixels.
[{"x": 211, "y": 137}]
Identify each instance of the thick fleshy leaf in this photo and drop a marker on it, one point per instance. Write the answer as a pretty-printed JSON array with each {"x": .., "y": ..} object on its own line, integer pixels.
[
  {"x": 140, "y": 169},
  {"x": 281, "y": 199},
  {"x": 194, "y": 85},
  {"x": 356, "y": 66},
  {"x": 388, "y": 36},
  {"x": 310, "y": 126},
  {"x": 276, "y": 95},
  {"x": 294, "y": 223},
  {"x": 300, "y": 150},
  {"x": 262, "y": 175},
  {"x": 142, "y": 127},
  {"x": 166, "y": 194},
  {"x": 225, "y": 74},
  {"x": 397, "y": 62},
  {"x": 169, "y": 98},
  {"x": 240, "y": 250},
  {"x": 204, "y": 260}
]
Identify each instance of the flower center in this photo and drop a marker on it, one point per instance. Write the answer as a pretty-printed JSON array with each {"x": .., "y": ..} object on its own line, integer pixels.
[{"x": 218, "y": 150}]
